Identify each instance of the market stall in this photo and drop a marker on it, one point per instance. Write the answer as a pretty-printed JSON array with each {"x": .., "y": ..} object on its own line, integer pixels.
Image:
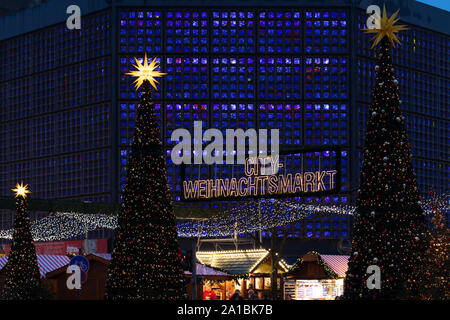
[
  {"x": 212, "y": 284},
  {"x": 249, "y": 268},
  {"x": 316, "y": 277}
]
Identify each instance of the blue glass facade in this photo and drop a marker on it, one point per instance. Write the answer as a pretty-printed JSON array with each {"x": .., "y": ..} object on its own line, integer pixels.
[{"x": 67, "y": 133}]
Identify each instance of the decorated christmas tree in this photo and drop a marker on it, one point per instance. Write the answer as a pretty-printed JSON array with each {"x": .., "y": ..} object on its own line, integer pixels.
[
  {"x": 390, "y": 229},
  {"x": 23, "y": 281},
  {"x": 437, "y": 267},
  {"x": 146, "y": 260}
]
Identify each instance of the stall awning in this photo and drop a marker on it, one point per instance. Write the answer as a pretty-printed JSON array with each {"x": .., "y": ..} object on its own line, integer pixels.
[
  {"x": 203, "y": 271},
  {"x": 46, "y": 262},
  {"x": 233, "y": 261},
  {"x": 338, "y": 263}
]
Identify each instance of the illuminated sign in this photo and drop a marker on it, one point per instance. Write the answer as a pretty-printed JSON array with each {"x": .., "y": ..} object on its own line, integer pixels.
[{"x": 260, "y": 182}]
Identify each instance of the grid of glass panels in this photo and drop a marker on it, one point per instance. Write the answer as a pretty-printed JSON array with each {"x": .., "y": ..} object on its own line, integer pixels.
[
  {"x": 326, "y": 31},
  {"x": 324, "y": 226},
  {"x": 279, "y": 32},
  {"x": 233, "y": 31},
  {"x": 86, "y": 82},
  {"x": 233, "y": 77},
  {"x": 186, "y": 77},
  {"x": 55, "y": 47},
  {"x": 249, "y": 68},
  {"x": 140, "y": 31},
  {"x": 55, "y": 110},
  {"x": 285, "y": 117},
  {"x": 326, "y": 124},
  {"x": 279, "y": 78},
  {"x": 326, "y": 78},
  {"x": 187, "y": 31}
]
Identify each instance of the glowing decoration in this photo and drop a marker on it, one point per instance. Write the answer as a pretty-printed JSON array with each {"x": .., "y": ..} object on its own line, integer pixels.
[
  {"x": 256, "y": 185},
  {"x": 259, "y": 255},
  {"x": 146, "y": 72},
  {"x": 244, "y": 219},
  {"x": 21, "y": 190},
  {"x": 387, "y": 28}
]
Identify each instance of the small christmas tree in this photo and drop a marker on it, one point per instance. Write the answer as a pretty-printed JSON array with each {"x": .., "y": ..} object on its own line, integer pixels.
[
  {"x": 23, "y": 281},
  {"x": 146, "y": 261},
  {"x": 390, "y": 227}
]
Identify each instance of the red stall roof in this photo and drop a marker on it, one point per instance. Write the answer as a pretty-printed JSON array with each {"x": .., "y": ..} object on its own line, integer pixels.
[
  {"x": 336, "y": 262},
  {"x": 46, "y": 262}
]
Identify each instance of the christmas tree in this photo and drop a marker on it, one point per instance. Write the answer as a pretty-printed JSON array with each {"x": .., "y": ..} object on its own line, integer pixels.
[
  {"x": 146, "y": 261},
  {"x": 23, "y": 281},
  {"x": 437, "y": 267},
  {"x": 390, "y": 229}
]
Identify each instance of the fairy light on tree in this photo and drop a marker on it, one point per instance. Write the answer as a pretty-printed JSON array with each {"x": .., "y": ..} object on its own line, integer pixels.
[
  {"x": 146, "y": 260},
  {"x": 390, "y": 227}
]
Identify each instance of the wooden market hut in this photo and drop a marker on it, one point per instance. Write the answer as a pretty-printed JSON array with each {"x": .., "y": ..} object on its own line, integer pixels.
[
  {"x": 322, "y": 273},
  {"x": 92, "y": 289},
  {"x": 248, "y": 267}
]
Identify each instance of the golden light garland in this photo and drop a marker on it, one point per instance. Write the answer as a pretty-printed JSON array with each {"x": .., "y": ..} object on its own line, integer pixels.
[{"x": 66, "y": 225}]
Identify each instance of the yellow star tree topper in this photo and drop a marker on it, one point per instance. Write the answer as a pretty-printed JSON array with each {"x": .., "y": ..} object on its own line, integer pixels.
[
  {"x": 21, "y": 190},
  {"x": 387, "y": 28},
  {"x": 146, "y": 72}
]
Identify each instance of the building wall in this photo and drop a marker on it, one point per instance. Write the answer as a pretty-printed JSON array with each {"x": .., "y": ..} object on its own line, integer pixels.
[
  {"x": 67, "y": 124},
  {"x": 55, "y": 112}
]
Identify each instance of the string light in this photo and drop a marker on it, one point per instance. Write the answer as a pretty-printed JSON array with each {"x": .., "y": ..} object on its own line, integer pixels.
[{"x": 244, "y": 219}]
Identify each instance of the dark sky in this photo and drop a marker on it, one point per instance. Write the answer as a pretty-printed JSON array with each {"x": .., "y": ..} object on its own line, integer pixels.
[{"x": 10, "y": 6}]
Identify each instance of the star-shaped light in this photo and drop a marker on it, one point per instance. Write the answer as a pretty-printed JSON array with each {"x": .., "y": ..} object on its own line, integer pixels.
[
  {"x": 21, "y": 190},
  {"x": 146, "y": 72},
  {"x": 387, "y": 28}
]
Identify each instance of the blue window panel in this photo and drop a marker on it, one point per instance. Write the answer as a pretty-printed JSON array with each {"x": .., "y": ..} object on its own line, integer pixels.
[
  {"x": 279, "y": 32},
  {"x": 325, "y": 33},
  {"x": 233, "y": 31},
  {"x": 187, "y": 77},
  {"x": 318, "y": 84},
  {"x": 187, "y": 32},
  {"x": 140, "y": 32},
  {"x": 279, "y": 78},
  {"x": 233, "y": 78}
]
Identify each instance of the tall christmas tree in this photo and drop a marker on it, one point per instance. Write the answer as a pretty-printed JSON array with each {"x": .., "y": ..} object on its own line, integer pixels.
[
  {"x": 146, "y": 261},
  {"x": 23, "y": 281},
  {"x": 390, "y": 227}
]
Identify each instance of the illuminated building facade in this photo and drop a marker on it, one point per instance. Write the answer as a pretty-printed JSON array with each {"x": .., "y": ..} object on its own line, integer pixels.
[{"x": 67, "y": 107}]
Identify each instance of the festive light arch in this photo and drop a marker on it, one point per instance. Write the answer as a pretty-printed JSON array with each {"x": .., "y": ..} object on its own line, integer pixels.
[{"x": 242, "y": 219}]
